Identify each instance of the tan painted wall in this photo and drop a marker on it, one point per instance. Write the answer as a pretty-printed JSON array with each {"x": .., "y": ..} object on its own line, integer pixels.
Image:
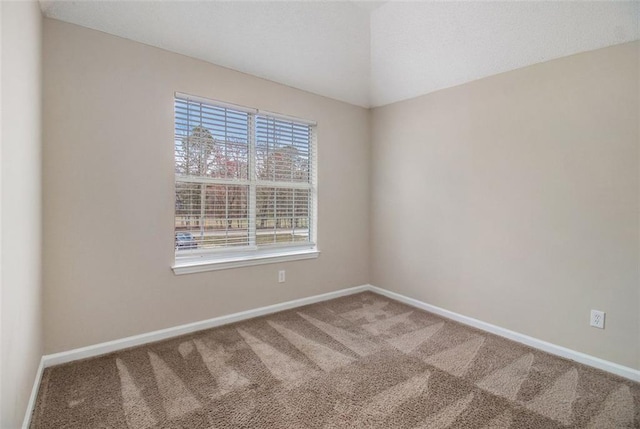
[
  {"x": 515, "y": 200},
  {"x": 21, "y": 207},
  {"x": 108, "y": 191}
]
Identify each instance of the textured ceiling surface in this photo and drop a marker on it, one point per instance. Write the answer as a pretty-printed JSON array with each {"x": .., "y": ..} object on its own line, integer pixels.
[
  {"x": 365, "y": 53},
  {"x": 417, "y": 48},
  {"x": 321, "y": 47}
]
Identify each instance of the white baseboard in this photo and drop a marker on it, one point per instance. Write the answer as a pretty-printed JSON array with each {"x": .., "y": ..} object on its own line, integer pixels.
[
  {"x": 137, "y": 340},
  {"x": 163, "y": 334},
  {"x": 34, "y": 395},
  {"x": 583, "y": 358}
]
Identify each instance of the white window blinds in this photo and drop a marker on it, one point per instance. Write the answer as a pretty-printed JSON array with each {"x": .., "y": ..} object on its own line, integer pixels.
[{"x": 245, "y": 180}]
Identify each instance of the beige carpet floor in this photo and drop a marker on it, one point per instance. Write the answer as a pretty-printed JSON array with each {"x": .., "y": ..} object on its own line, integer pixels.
[{"x": 362, "y": 361}]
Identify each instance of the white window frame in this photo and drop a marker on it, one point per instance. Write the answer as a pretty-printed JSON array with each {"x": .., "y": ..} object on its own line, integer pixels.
[{"x": 200, "y": 260}]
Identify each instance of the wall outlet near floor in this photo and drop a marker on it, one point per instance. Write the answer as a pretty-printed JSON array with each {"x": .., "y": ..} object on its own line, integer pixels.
[
  {"x": 281, "y": 276},
  {"x": 597, "y": 319}
]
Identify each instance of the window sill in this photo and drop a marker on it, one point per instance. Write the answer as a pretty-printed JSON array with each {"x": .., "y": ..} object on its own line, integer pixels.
[{"x": 243, "y": 261}]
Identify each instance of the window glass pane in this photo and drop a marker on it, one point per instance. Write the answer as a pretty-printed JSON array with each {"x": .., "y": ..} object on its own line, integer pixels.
[
  {"x": 282, "y": 215},
  {"x": 211, "y": 216},
  {"x": 211, "y": 141},
  {"x": 282, "y": 150}
]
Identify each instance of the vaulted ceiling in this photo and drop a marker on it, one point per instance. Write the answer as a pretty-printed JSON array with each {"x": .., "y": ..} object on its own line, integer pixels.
[{"x": 365, "y": 53}]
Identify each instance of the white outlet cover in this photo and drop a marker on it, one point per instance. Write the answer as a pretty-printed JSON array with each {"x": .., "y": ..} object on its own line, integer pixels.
[
  {"x": 281, "y": 276},
  {"x": 597, "y": 319}
]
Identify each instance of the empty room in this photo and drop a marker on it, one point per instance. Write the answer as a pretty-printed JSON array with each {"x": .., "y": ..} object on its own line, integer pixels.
[{"x": 319, "y": 214}]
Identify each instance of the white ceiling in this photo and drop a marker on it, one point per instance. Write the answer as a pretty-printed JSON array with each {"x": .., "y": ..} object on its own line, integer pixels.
[
  {"x": 417, "y": 48},
  {"x": 367, "y": 53}
]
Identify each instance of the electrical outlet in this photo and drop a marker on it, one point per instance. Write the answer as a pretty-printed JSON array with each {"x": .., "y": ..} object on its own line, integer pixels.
[
  {"x": 597, "y": 319},
  {"x": 281, "y": 276}
]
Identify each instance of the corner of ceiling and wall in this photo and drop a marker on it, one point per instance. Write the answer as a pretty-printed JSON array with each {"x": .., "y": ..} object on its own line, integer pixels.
[{"x": 367, "y": 53}]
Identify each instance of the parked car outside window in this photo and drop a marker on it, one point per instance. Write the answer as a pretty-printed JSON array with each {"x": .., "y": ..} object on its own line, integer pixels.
[{"x": 185, "y": 240}]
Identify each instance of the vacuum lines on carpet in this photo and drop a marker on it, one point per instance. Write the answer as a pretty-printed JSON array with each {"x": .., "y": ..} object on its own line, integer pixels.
[{"x": 362, "y": 361}]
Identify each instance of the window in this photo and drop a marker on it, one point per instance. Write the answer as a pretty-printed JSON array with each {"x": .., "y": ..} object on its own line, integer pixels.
[{"x": 245, "y": 190}]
